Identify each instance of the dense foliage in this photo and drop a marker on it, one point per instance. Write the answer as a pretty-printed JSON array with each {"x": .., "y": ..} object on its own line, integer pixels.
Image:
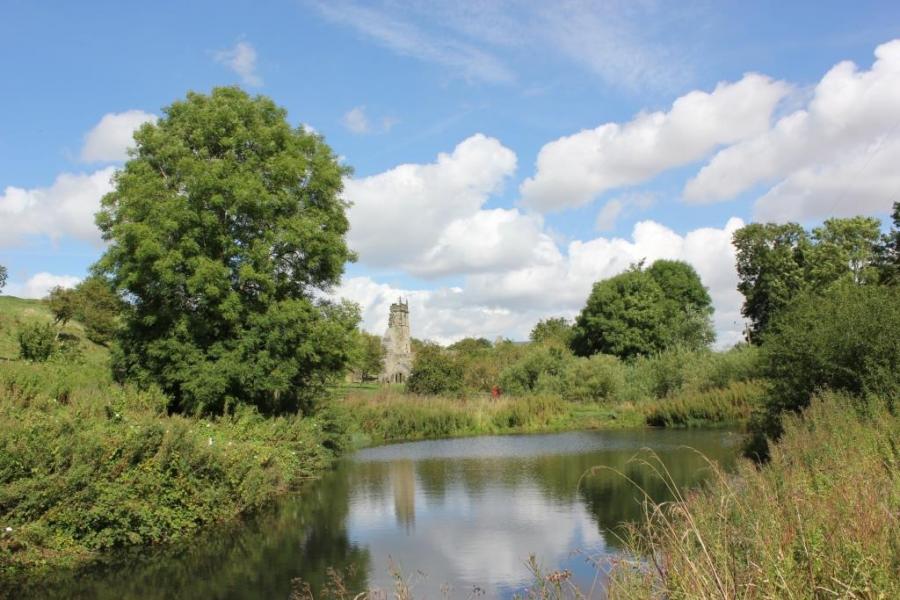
[
  {"x": 223, "y": 229},
  {"x": 844, "y": 339},
  {"x": 2, "y": 277},
  {"x": 642, "y": 311},
  {"x": 553, "y": 330},
  {"x": 676, "y": 387},
  {"x": 86, "y": 465},
  {"x": 775, "y": 263},
  {"x": 435, "y": 371},
  {"x": 38, "y": 341}
]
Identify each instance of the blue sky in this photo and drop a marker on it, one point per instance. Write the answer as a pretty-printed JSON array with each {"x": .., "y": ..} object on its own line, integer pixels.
[{"x": 546, "y": 145}]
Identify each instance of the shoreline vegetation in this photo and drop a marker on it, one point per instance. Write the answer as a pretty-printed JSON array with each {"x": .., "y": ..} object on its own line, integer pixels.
[{"x": 90, "y": 466}]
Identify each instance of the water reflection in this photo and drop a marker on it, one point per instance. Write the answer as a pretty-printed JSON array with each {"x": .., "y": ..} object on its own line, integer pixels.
[{"x": 463, "y": 512}]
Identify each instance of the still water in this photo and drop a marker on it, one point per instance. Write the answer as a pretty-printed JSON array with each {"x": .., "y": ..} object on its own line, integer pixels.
[{"x": 455, "y": 515}]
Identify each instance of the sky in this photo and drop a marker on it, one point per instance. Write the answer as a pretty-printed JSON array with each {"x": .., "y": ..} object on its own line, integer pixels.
[{"x": 506, "y": 155}]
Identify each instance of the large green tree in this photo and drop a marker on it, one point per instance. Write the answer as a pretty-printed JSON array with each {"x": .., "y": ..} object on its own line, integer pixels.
[
  {"x": 688, "y": 304},
  {"x": 224, "y": 228},
  {"x": 643, "y": 311},
  {"x": 624, "y": 316},
  {"x": 843, "y": 249},
  {"x": 770, "y": 265},
  {"x": 775, "y": 263}
]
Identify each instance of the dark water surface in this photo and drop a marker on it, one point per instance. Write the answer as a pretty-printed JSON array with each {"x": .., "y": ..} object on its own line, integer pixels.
[{"x": 463, "y": 513}]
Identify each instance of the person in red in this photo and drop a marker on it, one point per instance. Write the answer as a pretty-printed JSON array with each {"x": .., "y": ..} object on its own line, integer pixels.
[{"x": 495, "y": 391}]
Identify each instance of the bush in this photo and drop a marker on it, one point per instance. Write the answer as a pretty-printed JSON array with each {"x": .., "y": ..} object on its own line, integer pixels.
[
  {"x": 717, "y": 406},
  {"x": 540, "y": 369},
  {"x": 435, "y": 372},
  {"x": 844, "y": 339},
  {"x": 87, "y": 465},
  {"x": 37, "y": 341},
  {"x": 600, "y": 377},
  {"x": 741, "y": 363}
]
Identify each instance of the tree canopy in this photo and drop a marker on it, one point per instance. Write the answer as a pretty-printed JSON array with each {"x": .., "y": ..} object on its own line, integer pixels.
[
  {"x": 2, "y": 277},
  {"x": 224, "y": 228},
  {"x": 888, "y": 251},
  {"x": 640, "y": 312},
  {"x": 552, "y": 330},
  {"x": 775, "y": 263},
  {"x": 63, "y": 303},
  {"x": 369, "y": 357}
]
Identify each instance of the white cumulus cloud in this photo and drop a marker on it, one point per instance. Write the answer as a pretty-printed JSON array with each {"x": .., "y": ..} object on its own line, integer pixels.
[
  {"x": 40, "y": 284},
  {"x": 66, "y": 208},
  {"x": 418, "y": 216},
  {"x": 574, "y": 170},
  {"x": 508, "y": 302},
  {"x": 837, "y": 155},
  {"x": 242, "y": 60},
  {"x": 110, "y": 139}
]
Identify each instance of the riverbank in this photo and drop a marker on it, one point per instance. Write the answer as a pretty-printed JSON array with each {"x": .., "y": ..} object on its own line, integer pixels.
[
  {"x": 384, "y": 414},
  {"x": 821, "y": 519},
  {"x": 88, "y": 467}
]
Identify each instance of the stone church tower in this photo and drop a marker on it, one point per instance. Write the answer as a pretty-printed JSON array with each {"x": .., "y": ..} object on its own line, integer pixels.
[{"x": 396, "y": 343}]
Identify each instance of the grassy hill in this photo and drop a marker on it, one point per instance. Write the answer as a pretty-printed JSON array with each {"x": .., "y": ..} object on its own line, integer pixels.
[{"x": 17, "y": 312}]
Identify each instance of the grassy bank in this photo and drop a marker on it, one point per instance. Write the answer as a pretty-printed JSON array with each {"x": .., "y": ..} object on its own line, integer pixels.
[
  {"x": 387, "y": 415},
  {"x": 89, "y": 468},
  {"x": 382, "y": 415},
  {"x": 821, "y": 520}
]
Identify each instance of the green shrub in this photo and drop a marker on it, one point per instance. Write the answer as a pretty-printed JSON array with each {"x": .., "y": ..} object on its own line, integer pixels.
[
  {"x": 600, "y": 377},
  {"x": 845, "y": 339},
  {"x": 540, "y": 369},
  {"x": 741, "y": 363},
  {"x": 435, "y": 372},
  {"x": 87, "y": 465},
  {"x": 37, "y": 341}
]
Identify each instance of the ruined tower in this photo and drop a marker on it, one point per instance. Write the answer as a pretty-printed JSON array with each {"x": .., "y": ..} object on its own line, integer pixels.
[{"x": 396, "y": 343}]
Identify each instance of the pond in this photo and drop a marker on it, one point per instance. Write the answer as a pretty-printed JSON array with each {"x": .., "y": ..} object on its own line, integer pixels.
[{"x": 457, "y": 517}]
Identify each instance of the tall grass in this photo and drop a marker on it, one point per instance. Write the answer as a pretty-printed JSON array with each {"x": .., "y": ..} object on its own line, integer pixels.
[
  {"x": 387, "y": 415},
  {"x": 717, "y": 406},
  {"x": 821, "y": 520}
]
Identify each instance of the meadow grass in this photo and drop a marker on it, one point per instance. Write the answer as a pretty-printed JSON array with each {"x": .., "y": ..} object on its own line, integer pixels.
[
  {"x": 820, "y": 520},
  {"x": 730, "y": 405},
  {"x": 383, "y": 415}
]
